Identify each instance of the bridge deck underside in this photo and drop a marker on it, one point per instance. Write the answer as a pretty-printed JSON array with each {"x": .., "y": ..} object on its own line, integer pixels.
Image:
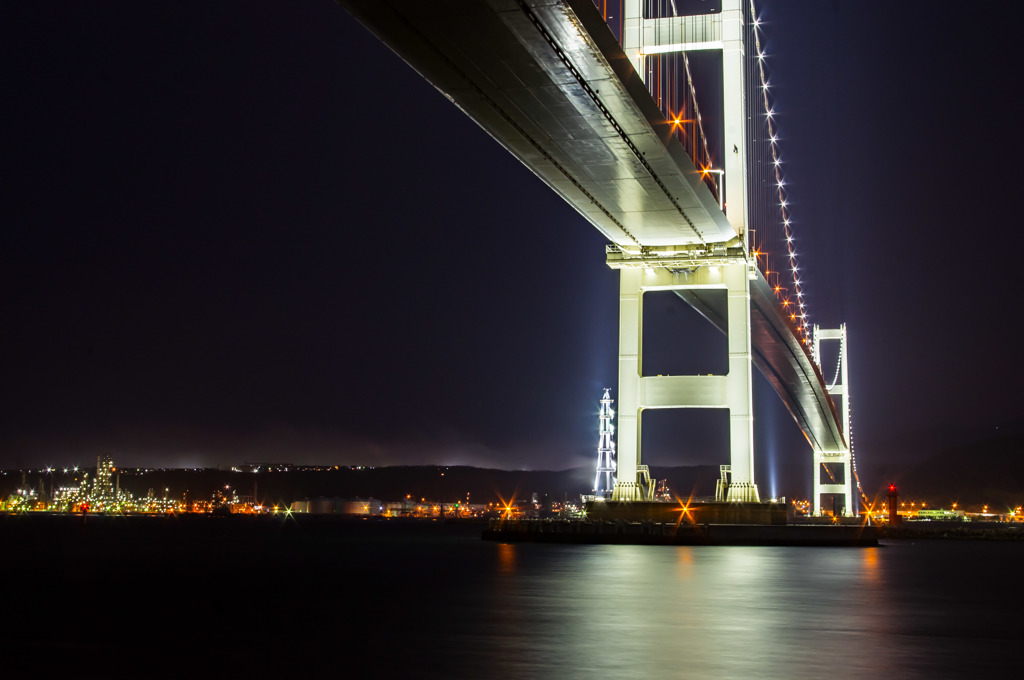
[{"x": 548, "y": 80}]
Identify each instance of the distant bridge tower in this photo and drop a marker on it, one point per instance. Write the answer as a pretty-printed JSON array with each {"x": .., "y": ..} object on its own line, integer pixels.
[
  {"x": 728, "y": 267},
  {"x": 836, "y": 466},
  {"x": 604, "y": 481}
]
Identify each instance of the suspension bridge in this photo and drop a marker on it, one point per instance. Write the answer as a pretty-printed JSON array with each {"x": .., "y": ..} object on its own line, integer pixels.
[{"x": 654, "y": 120}]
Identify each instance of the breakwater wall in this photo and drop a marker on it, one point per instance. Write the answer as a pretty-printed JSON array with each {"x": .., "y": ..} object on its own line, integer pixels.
[{"x": 663, "y": 533}]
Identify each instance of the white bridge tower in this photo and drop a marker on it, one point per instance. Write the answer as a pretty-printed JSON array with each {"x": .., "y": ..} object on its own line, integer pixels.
[{"x": 836, "y": 466}]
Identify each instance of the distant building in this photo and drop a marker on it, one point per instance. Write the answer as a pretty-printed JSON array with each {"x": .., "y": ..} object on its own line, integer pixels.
[
  {"x": 940, "y": 515},
  {"x": 338, "y": 506},
  {"x": 103, "y": 485}
]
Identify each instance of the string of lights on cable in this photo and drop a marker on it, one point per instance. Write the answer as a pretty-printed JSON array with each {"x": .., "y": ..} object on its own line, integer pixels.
[{"x": 771, "y": 214}]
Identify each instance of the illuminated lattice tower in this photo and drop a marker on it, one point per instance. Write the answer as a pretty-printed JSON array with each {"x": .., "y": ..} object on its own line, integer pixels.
[{"x": 604, "y": 481}]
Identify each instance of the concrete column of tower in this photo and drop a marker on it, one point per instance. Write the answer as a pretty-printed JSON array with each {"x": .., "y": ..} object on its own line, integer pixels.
[
  {"x": 734, "y": 108},
  {"x": 851, "y": 498},
  {"x": 632, "y": 32},
  {"x": 739, "y": 384},
  {"x": 627, "y": 487},
  {"x": 816, "y": 483}
]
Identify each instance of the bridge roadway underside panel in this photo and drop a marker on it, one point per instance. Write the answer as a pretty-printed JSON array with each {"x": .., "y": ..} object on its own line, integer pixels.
[
  {"x": 780, "y": 357},
  {"x": 548, "y": 80}
]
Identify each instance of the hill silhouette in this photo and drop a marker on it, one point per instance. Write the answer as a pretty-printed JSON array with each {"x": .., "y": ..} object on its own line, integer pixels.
[
  {"x": 432, "y": 482},
  {"x": 988, "y": 472}
]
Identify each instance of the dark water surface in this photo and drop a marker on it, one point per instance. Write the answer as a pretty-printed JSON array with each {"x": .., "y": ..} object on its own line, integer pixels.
[{"x": 239, "y": 598}]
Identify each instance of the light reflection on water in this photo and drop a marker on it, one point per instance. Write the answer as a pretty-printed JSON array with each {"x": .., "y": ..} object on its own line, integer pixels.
[
  {"x": 432, "y": 600},
  {"x": 907, "y": 611}
]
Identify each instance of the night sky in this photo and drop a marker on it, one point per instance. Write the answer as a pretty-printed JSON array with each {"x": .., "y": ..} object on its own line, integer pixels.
[{"x": 246, "y": 231}]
